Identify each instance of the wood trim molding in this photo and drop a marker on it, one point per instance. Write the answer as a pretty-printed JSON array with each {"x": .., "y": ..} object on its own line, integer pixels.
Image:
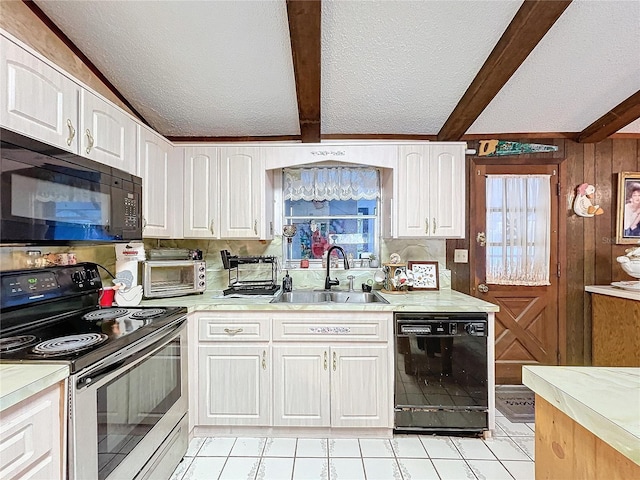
[
  {"x": 304, "y": 30},
  {"x": 76, "y": 51},
  {"x": 618, "y": 117},
  {"x": 529, "y": 25}
]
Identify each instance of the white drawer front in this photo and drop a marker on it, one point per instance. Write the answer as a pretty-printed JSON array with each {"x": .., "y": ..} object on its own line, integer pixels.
[
  {"x": 223, "y": 329},
  {"x": 346, "y": 331}
]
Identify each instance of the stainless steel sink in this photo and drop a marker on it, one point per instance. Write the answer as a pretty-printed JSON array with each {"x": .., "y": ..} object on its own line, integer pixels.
[{"x": 315, "y": 297}]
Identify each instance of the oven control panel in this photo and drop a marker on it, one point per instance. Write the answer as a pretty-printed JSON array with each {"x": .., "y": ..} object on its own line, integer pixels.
[{"x": 24, "y": 287}]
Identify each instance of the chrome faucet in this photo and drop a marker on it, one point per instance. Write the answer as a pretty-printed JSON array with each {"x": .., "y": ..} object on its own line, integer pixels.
[{"x": 328, "y": 282}]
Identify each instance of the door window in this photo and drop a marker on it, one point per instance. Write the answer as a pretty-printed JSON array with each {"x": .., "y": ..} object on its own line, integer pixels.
[{"x": 518, "y": 229}]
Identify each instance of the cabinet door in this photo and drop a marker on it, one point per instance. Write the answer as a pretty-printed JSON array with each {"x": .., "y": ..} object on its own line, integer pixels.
[
  {"x": 31, "y": 435},
  {"x": 301, "y": 386},
  {"x": 161, "y": 174},
  {"x": 412, "y": 191},
  {"x": 107, "y": 134},
  {"x": 359, "y": 386},
  {"x": 201, "y": 218},
  {"x": 234, "y": 385},
  {"x": 36, "y": 100},
  {"x": 241, "y": 192},
  {"x": 447, "y": 190}
]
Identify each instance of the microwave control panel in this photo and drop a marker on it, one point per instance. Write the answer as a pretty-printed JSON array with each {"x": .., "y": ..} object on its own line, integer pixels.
[{"x": 130, "y": 211}]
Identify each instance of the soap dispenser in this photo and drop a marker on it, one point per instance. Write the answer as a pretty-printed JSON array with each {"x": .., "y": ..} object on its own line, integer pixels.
[{"x": 287, "y": 283}]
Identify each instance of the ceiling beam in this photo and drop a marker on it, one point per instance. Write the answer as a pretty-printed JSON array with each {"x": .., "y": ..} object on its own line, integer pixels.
[
  {"x": 612, "y": 121},
  {"x": 304, "y": 30},
  {"x": 529, "y": 25}
]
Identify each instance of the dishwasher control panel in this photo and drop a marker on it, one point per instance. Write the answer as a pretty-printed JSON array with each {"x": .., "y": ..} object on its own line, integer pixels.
[{"x": 408, "y": 324}]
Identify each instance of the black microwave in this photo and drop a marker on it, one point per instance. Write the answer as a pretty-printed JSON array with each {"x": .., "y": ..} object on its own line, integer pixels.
[{"x": 50, "y": 196}]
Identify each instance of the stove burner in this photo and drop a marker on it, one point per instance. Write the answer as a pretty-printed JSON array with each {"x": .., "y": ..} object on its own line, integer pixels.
[
  {"x": 106, "y": 314},
  {"x": 152, "y": 312},
  {"x": 10, "y": 344},
  {"x": 69, "y": 344}
]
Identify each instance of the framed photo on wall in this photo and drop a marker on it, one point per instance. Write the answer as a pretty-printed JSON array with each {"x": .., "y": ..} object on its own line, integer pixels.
[
  {"x": 425, "y": 275},
  {"x": 628, "y": 215}
]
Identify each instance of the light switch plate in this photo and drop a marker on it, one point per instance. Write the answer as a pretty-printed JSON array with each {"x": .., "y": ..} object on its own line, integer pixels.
[{"x": 460, "y": 256}]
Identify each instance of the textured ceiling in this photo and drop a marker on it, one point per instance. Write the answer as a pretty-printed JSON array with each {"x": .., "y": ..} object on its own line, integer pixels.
[{"x": 224, "y": 68}]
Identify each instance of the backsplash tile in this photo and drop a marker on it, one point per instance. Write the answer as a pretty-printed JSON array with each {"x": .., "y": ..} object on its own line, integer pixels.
[{"x": 218, "y": 278}]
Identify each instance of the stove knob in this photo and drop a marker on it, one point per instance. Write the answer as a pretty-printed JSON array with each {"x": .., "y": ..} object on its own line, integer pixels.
[{"x": 201, "y": 284}]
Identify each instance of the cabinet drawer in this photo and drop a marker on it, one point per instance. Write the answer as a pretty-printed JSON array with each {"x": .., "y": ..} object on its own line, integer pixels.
[
  {"x": 346, "y": 331},
  {"x": 227, "y": 330}
]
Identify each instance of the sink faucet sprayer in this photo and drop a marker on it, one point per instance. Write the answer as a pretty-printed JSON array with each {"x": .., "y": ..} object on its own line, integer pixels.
[{"x": 328, "y": 282}]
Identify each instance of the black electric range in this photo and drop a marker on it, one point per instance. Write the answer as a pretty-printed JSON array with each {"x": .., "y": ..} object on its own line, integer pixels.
[{"x": 51, "y": 315}]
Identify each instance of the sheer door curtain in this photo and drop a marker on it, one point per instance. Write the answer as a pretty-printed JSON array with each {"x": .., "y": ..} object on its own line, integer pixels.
[{"x": 518, "y": 229}]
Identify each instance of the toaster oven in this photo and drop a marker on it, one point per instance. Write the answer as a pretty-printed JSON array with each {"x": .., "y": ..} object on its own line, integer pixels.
[{"x": 173, "y": 278}]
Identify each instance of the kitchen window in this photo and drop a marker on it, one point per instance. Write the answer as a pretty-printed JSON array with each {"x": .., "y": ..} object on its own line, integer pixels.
[{"x": 331, "y": 206}]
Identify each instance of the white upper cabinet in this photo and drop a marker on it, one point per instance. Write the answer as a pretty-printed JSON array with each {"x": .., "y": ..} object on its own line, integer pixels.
[
  {"x": 107, "y": 134},
  {"x": 36, "y": 100},
  {"x": 161, "y": 172},
  {"x": 430, "y": 192},
  {"x": 201, "y": 193},
  {"x": 246, "y": 194}
]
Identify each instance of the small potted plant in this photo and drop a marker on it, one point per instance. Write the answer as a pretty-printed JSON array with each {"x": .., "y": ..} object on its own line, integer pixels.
[{"x": 373, "y": 261}]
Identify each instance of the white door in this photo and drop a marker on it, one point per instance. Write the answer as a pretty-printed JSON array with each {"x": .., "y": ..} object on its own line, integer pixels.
[
  {"x": 162, "y": 186},
  {"x": 201, "y": 197},
  {"x": 301, "y": 386},
  {"x": 234, "y": 385},
  {"x": 446, "y": 190},
  {"x": 240, "y": 192},
  {"x": 36, "y": 100},
  {"x": 359, "y": 387},
  {"x": 107, "y": 134},
  {"x": 412, "y": 201}
]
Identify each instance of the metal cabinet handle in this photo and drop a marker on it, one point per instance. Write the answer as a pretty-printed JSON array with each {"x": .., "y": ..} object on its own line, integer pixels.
[
  {"x": 325, "y": 360},
  {"x": 72, "y": 132},
  {"x": 434, "y": 225},
  {"x": 426, "y": 226},
  {"x": 90, "y": 139},
  {"x": 211, "y": 228},
  {"x": 264, "y": 359},
  {"x": 255, "y": 227},
  {"x": 482, "y": 288},
  {"x": 334, "y": 361},
  {"x": 233, "y": 331},
  {"x": 144, "y": 222}
]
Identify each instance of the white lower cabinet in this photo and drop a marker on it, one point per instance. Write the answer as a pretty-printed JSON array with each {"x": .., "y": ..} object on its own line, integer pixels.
[
  {"x": 292, "y": 369},
  {"x": 32, "y": 437},
  {"x": 337, "y": 386},
  {"x": 234, "y": 385}
]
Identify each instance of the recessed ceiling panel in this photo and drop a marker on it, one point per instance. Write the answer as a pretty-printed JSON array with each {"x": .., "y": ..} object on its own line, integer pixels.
[
  {"x": 201, "y": 68},
  {"x": 588, "y": 63},
  {"x": 402, "y": 66}
]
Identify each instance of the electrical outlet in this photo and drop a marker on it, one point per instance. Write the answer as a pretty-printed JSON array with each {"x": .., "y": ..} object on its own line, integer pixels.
[{"x": 460, "y": 256}]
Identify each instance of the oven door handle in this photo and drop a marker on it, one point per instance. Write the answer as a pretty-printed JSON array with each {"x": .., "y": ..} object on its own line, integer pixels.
[
  {"x": 153, "y": 344},
  {"x": 99, "y": 374}
]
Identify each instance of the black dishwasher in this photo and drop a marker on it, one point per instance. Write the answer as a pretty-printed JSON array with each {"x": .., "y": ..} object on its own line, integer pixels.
[{"x": 441, "y": 372}]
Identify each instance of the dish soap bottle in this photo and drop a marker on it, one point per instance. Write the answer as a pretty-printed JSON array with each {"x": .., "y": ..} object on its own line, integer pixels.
[{"x": 287, "y": 283}]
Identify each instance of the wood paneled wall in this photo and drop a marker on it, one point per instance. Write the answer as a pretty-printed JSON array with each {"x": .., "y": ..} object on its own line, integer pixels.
[{"x": 590, "y": 249}]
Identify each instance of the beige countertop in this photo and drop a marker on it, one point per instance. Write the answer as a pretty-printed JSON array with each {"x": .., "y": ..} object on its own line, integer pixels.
[
  {"x": 437, "y": 301},
  {"x": 613, "y": 291},
  {"x": 604, "y": 400},
  {"x": 18, "y": 381}
]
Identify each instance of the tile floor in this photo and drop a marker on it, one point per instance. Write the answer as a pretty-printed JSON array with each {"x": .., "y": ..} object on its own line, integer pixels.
[{"x": 508, "y": 455}]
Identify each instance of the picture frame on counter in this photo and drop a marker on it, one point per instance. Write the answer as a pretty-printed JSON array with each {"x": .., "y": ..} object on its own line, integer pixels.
[
  {"x": 425, "y": 275},
  {"x": 628, "y": 212}
]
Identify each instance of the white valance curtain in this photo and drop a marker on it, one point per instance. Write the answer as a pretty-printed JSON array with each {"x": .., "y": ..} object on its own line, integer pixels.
[
  {"x": 331, "y": 183},
  {"x": 518, "y": 229}
]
